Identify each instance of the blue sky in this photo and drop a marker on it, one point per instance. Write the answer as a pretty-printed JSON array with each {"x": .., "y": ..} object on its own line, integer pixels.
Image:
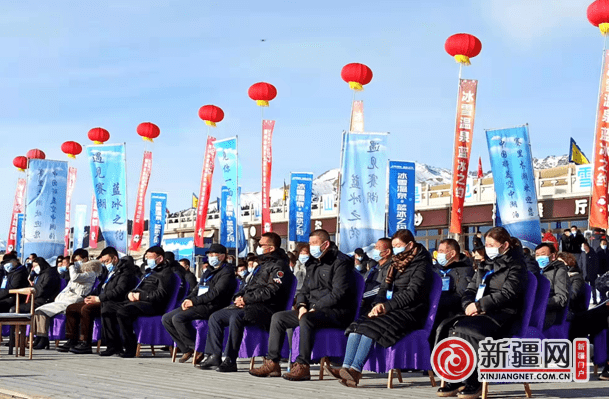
[{"x": 70, "y": 66}]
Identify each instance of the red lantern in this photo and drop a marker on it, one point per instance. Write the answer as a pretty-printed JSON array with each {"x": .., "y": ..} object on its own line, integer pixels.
[
  {"x": 211, "y": 114},
  {"x": 149, "y": 131},
  {"x": 98, "y": 135},
  {"x": 357, "y": 75},
  {"x": 262, "y": 93},
  {"x": 35, "y": 154},
  {"x": 598, "y": 15},
  {"x": 20, "y": 163},
  {"x": 463, "y": 46},
  {"x": 71, "y": 148}
]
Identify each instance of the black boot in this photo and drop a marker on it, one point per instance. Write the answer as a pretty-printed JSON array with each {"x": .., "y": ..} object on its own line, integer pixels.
[
  {"x": 67, "y": 346},
  {"x": 211, "y": 362},
  {"x": 43, "y": 343}
]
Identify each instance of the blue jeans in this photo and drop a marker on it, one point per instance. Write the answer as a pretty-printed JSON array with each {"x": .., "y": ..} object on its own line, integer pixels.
[{"x": 358, "y": 348}]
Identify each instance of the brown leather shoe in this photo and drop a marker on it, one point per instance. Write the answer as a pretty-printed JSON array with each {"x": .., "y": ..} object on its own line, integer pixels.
[
  {"x": 269, "y": 368},
  {"x": 299, "y": 372},
  {"x": 186, "y": 356},
  {"x": 332, "y": 371},
  {"x": 199, "y": 358},
  {"x": 351, "y": 377}
]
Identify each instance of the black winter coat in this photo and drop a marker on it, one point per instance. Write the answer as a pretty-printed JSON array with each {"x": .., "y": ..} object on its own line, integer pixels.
[
  {"x": 330, "y": 286},
  {"x": 504, "y": 294},
  {"x": 407, "y": 309},
  {"x": 577, "y": 299},
  {"x": 603, "y": 260},
  {"x": 460, "y": 274},
  {"x": 531, "y": 264},
  {"x": 560, "y": 286},
  {"x": 222, "y": 284},
  {"x": 48, "y": 285},
  {"x": 588, "y": 264},
  {"x": 155, "y": 287},
  {"x": 16, "y": 278},
  {"x": 566, "y": 243},
  {"x": 267, "y": 291},
  {"x": 115, "y": 287}
]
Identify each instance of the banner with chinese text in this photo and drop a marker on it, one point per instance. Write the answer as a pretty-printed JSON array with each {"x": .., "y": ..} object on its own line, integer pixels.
[
  {"x": 70, "y": 191},
  {"x": 79, "y": 227},
  {"x": 401, "y": 197},
  {"x": 514, "y": 179},
  {"x": 208, "y": 172},
  {"x": 137, "y": 232},
  {"x": 464, "y": 130},
  {"x": 363, "y": 190},
  {"x": 598, "y": 206},
  {"x": 301, "y": 193},
  {"x": 19, "y": 246},
  {"x": 156, "y": 223},
  {"x": 18, "y": 208},
  {"x": 94, "y": 225},
  {"x": 108, "y": 170},
  {"x": 47, "y": 184},
  {"x": 267, "y": 163}
]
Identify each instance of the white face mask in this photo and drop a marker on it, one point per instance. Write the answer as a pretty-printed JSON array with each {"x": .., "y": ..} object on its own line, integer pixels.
[
  {"x": 604, "y": 246},
  {"x": 260, "y": 251},
  {"x": 492, "y": 252}
]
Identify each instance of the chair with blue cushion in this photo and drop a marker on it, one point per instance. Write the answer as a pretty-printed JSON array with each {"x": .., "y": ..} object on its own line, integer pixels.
[{"x": 561, "y": 330}]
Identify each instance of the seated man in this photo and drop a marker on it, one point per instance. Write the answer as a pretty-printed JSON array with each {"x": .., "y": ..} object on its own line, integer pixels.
[
  {"x": 149, "y": 298},
  {"x": 15, "y": 276},
  {"x": 189, "y": 276},
  {"x": 327, "y": 299},
  {"x": 213, "y": 292},
  {"x": 114, "y": 287},
  {"x": 266, "y": 291},
  {"x": 381, "y": 254},
  {"x": 556, "y": 271}
]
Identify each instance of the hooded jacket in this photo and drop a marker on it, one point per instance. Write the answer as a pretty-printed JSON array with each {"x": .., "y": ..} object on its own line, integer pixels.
[{"x": 47, "y": 283}]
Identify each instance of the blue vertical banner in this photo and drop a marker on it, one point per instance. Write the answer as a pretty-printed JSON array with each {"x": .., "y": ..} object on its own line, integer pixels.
[
  {"x": 362, "y": 195},
  {"x": 514, "y": 179},
  {"x": 226, "y": 152},
  {"x": 19, "y": 238},
  {"x": 401, "y": 196},
  {"x": 156, "y": 223},
  {"x": 301, "y": 193},
  {"x": 47, "y": 183},
  {"x": 228, "y": 222},
  {"x": 108, "y": 170},
  {"x": 79, "y": 226}
]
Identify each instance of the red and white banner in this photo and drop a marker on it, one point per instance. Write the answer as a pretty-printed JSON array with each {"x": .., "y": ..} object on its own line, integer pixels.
[
  {"x": 598, "y": 207},
  {"x": 18, "y": 207},
  {"x": 137, "y": 231},
  {"x": 94, "y": 226},
  {"x": 208, "y": 173},
  {"x": 357, "y": 117},
  {"x": 69, "y": 191},
  {"x": 267, "y": 163},
  {"x": 464, "y": 131}
]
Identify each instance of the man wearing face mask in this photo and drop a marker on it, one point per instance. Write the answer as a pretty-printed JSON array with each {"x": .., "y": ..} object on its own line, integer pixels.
[
  {"x": 588, "y": 263},
  {"x": 15, "y": 276},
  {"x": 149, "y": 298},
  {"x": 381, "y": 255},
  {"x": 119, "y": 278},
  {"x": 180, "y": 271},
  {"x": 62, "y": 265},
  {"x": 189, "y": 276},
  {"x": 265, "y": 292},
  {"x": 557, "y": 272},
  {"x": 214, "y": 291},
  {"x": 363, "y": 262},
  {"x": 603, "y": 257},
  {"x": 327, "y": 299}
]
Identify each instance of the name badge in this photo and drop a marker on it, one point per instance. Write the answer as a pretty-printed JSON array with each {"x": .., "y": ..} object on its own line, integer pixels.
[
  {"x": 4, "y": 282},
  {"x": 480, "y": 292},
  {"x": 445, "y": 283},
  {"x": 389, "y": 294},
  {"x": 203, "y": 289}
]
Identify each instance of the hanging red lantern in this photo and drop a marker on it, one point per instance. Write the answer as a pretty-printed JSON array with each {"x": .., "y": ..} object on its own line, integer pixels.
[
  {"x": 149, "y": 131},
  {"x": 598, "y": 15},
  {"x": 357, "y": 75},
  {"x": 211, "y": 114},
  {"x": 35, "y": 154},
  {"x": 463, "y": 46},
  {"x": 71, "y": 149},
  {"x": 20, "y": 163},
  {"x": 262, "y": 93},
  {"x": 98, "y": 135}
]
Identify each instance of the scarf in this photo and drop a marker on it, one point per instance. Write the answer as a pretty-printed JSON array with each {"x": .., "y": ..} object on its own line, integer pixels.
[{"x": 400, "y": 262}]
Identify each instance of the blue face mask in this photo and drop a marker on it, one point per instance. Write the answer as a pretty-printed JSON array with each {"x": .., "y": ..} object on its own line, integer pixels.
[
  {"x": 375, "y": 254},
  {"x": 316, "y": 251},
  {"x": 8, "y": 266},
  {"x": 151, "y": 263},
  {"x": 78, "y": 264},
  {"x": 398, "y": 250},
  {"x": 62, "y": 269},
  {"x": 110, "y": 267},
  {"x": 543, "y": 261},
  {"x": 442, "y": 259},
  {"x": 213, "y": 261},
  {"x": 243, "y": 273},
  {"x": 359, "y": 267},
  {"x": 303, "y": 258}
]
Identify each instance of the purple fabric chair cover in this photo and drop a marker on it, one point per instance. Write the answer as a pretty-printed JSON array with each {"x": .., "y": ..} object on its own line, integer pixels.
[
  {"x": 561, "y": 331},
  {"x": 522, "y": 327},
  {"x": 412, "y": 351},
  {"x": 538, "y": 314},
  {"x": 57, "y": 330},
  {"x": 201, "y": 328},
  {"x": 330, "y": 342},
  {"x": 97, "y": 329},
  {"x": 149, "y": 330},
  {"x": 256, "y": 340},
  {"x": 600, "y": 348}
]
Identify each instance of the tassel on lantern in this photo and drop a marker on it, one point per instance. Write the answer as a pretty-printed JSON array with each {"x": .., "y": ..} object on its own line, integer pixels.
[
  {"x": 148, "y": 139},
  {"x": 262, "y": 103},
  {"x": 98, "y": 142},
  {"x": 71, "y": 156},
  {"x": 604, "y": 28},
  {"x": 462, "y": 59},
  {"x": 210, "y": 123},
  {"x": 21, "y": 170},
  {"x": 356, "y": 86}
]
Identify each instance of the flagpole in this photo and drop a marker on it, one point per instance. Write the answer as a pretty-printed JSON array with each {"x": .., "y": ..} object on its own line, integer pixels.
[
  {"x": 237, "y": 201},
  {"x": 339, "y": 189}
]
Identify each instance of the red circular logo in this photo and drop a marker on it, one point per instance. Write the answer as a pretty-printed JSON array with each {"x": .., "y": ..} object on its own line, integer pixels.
[{"x": 453, "y": 359}]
